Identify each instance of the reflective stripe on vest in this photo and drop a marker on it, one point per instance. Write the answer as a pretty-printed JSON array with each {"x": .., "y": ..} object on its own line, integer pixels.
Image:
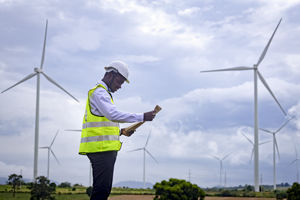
[
  {"x": 100, "y": 124},
  {"x": 99, "y": 138}
]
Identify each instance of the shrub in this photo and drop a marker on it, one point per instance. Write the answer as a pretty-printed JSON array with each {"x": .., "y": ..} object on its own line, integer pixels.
[
  {"x": 225, "y": 193},
  {"x": 293, "y": 193},
  {"x": 64, "y": 185},
  {"x": 41, "y": 189},
  {"x": 176, "y": 189},
  {"x": 89, "y": 191}
]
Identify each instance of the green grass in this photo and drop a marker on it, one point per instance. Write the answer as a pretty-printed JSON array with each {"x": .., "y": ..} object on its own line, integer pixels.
[
  {"x": 26, "y": 196},
  {"x": 66, "y": 193}
]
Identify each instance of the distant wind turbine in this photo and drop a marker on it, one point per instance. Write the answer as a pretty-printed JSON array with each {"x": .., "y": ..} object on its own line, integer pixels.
[
  {"x": 38, "y": 71},
  {"x": 256, "y": 72},
  {"x": 221, "y": 167},
  {"x": 90, "y": 164},
  {"x": 275, "y": 144},
  {"x": 49, "y": 149},
  {"x": 253, "y": 145},
  {"x": 296, "y": 160},
  {"x": 145, "y": 150}
]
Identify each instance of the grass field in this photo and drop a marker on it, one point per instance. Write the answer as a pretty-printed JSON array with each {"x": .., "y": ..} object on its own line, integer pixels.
[
  {"x": 117, "y": 193},
  {"x": 66, "y": 193}
]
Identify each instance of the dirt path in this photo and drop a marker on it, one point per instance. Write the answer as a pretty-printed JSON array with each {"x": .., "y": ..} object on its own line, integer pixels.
[
  {"x": 132, "y": 197},
  {"x": 150, "y": 197}
]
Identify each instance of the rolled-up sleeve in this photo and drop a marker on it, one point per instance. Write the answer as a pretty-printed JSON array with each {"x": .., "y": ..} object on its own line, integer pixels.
[{"x": 101, "y": 105}]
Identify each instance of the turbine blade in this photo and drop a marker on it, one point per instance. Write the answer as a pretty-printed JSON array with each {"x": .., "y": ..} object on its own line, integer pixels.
[
  {"x": 268, "y": 88},
  {"x": 147, "y": 139},
  {"x": 248, "y": 139},
  {"x": 264, "y": 142},
  {"x": 226, "y": 156},
  {"x": 252, "y": 154},
  {"x": 54, "y": 138},
  {"x": 151, "y": 155},
  {"x": 216, "y": 158},
  {"x": 44, "y": 47},
  {"x": 136, "y": 149},
  {"x": 73, "y": 130},
  {"x": 292, "y": 162},
  {"x": 229, "y": 69},
  {"x": 52, "y": 81},
  {"x": 266, "y": 48},
  {"x": 21, "y": 81},
  {"x": 265, "y": 130},
  {"x": 54, "y": 156},
  {"x": 277, "y": 147},
  {"x": 43, "y": 147},
  {"x": 296, "y": 152},
  {"x": 284, "y": 124}
]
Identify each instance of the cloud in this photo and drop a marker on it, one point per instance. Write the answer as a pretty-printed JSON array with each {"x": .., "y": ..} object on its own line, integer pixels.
[{"x": 194, "y": 11}]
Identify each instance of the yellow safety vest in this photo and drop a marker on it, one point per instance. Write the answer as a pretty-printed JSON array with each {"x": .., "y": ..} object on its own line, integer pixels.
[{"x": 98, "y": 133}]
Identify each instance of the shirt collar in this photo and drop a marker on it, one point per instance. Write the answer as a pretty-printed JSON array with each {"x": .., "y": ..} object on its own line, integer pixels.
[{"x": 102, "y": 83}]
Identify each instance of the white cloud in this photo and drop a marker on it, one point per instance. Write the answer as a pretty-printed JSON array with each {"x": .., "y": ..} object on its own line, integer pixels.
[{"x": 193, "y": 11}]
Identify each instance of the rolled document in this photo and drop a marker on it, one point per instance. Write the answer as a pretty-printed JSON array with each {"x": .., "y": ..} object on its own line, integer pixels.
[{"x": 138, "y": 124}]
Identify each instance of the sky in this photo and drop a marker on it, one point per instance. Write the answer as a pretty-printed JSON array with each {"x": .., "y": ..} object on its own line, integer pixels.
[{"x": 166, "y": 44}]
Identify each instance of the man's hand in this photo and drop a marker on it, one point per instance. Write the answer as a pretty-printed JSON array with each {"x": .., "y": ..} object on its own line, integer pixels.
[
  {"x": 149, "y": 116},
  {"x": 128, "y": 134}
]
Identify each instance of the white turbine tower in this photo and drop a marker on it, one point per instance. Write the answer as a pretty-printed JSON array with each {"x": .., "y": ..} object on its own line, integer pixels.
[
  {"x": 37, "y": 72},
  {"x": 296, "y": 160},
  {"x": 253, "y": 145},
  {"x": 275, "y": 144},
  {"x": 256, "y": 72},
  {"x": 90, "y": 164},
  {"x": 145, "y": 150},
  {"x": 221, "y": 167},
  {"x": 49, "y": 149}
]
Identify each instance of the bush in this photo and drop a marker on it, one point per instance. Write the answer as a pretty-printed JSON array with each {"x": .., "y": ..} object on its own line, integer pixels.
[
  {"x": 89, "y": 191},
  {"x": 64, "y": 185},
  {"x": 176, "y": 189},
  {"x": 293, "y": 193},
  {"x": 41, "y": 189},
  {"x": 53, "y": 186}
]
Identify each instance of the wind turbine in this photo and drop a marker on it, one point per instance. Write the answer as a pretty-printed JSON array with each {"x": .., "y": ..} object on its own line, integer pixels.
[
  {"x": 37, "y": 72},
  {"x": 145, "y": 150},
  {"x": 49, "y": 149},
  {"x": 296, "y": 160},
  {"x": 275, "y": 144},
  {"x": 77, "y": 130},
  {"x": 256, "y": 72},
  {"x": 221, "y": 167},
  {"x": 253, "y": 145}
]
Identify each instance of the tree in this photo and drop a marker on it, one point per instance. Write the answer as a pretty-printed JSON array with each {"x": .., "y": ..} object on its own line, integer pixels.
[
  {"x": 249, "y": 188},
  {"x": 176, "y": 189},
  {"x": 64, "y": 185},
  {"x": 53, "y": 186},
  {"x": 41, "y": 189},
  {"x": 14, "y": 180},
  {"x": 293, "y": 193}
]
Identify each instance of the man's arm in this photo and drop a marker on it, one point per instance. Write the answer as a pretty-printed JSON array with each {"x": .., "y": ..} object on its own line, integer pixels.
[{"x": 101, "y": 105}]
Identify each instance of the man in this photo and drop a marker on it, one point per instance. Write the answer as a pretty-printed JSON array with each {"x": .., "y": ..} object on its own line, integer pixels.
[{"x": 101, "y": 132}]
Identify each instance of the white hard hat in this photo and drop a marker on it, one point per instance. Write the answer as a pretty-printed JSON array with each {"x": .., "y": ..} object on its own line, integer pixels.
[{"x": 121, "y": 67}]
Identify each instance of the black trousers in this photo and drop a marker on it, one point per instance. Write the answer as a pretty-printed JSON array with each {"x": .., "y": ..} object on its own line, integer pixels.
[{"x": 103, "y": 168}]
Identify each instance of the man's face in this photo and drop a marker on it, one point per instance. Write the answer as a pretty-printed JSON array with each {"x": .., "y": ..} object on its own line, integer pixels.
[{"x": 117, "y": 82}]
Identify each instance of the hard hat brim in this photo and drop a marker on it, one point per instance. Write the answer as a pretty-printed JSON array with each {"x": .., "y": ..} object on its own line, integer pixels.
[{"x": 119, "y": 73}]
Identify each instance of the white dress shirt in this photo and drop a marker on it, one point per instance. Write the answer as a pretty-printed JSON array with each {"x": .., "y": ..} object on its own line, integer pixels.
[{"x": 101, "y": 105}]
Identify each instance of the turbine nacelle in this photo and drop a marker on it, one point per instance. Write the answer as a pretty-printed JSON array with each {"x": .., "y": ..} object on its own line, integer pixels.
[{"x": 38, "y": 70}]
